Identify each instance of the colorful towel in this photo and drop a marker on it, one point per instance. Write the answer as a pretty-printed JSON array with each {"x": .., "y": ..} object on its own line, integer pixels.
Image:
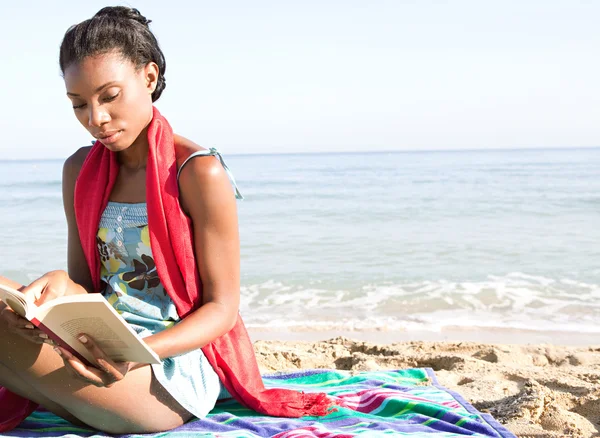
[{"x": 390, "y": 403}]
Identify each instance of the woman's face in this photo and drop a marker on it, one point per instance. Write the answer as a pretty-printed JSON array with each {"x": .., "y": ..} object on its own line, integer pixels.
[{"x": 112, "y": 99}]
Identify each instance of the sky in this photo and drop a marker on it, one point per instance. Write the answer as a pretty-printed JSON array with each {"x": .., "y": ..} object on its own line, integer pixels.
[{"x": 321, "y": 76}]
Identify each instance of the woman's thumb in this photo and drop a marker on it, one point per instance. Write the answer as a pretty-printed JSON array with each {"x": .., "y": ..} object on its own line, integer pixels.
[{"x": 36, "y": 291}]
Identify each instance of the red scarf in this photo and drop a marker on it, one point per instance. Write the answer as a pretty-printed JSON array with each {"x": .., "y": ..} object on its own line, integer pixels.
[
  {"x": 13, "y": 409},
  {"x": 171, "y": 239}
]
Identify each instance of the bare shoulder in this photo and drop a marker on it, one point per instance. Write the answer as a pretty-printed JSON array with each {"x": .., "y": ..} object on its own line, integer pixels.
[
  {"x": 203, "y": 180},
  {"x": 74, "y": 163},
  {"x": 184, "y": 147},
  {"x": 196, "y": 168}
]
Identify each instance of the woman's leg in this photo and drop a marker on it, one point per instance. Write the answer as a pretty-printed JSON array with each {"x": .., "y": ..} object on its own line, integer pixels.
[
  {"x": 15, "y": 384},
  {"x": 137, "y": 404}
]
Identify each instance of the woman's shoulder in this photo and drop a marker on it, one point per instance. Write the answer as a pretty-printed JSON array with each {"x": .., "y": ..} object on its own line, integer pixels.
[
  {"x": 202, "y": 181},
  {"x": 74, "y": 163},
  {"x": 184, "y": 148}
]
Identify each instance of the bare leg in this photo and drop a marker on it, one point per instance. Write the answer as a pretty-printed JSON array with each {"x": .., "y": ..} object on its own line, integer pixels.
[
  {"x": 17, "y": 385},
  {"x": 9, "y": 282},
  {"x": 137, "y": 404}
]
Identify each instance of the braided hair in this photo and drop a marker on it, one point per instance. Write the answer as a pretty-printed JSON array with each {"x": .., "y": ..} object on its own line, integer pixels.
[{"x": 115, "y": 28}]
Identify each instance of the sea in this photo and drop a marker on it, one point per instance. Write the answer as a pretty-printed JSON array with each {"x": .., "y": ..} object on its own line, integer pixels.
[{"x": 384, "y": 241}]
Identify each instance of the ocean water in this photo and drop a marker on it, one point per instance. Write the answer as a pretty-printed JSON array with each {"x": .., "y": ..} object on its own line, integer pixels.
[{"x": 381, "y": 241}]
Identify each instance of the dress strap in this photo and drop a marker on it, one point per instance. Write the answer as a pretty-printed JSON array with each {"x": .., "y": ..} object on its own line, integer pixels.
[{"x": 213, "y": 152}]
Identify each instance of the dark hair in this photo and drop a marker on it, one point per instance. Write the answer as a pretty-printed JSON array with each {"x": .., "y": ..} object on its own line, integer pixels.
[{"x": 114, "y": 28}]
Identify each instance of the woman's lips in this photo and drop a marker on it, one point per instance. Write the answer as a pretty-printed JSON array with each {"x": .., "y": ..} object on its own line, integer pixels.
[{"x": 111, "y": 138}]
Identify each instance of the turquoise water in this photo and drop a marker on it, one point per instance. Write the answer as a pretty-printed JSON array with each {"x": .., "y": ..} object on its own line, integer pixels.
[{"x": 406, "y": 240}]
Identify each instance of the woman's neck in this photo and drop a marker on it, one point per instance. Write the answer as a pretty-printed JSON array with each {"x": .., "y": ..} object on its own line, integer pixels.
[{"x": 135, "y": 157}]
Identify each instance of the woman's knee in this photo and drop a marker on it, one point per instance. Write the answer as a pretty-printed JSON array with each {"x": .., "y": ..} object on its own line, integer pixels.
[{"x": 10, "y": 283}]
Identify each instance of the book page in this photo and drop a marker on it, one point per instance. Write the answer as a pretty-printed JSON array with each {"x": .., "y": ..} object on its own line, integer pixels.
[
  {"x": 104, "y": 336},
  {"x": 16, "y": 301},
  {"x": 94, "y": 316}
]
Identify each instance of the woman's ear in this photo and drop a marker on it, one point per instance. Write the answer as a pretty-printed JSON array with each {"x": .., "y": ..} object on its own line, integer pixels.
[{"x": 151, "y": 73}]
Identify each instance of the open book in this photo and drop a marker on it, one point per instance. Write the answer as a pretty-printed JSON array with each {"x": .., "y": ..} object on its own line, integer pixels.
[{"x": 65, "y": 318}]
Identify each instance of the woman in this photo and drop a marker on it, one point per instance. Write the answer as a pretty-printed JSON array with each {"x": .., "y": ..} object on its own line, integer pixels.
[{"x": 152, "y": 226}]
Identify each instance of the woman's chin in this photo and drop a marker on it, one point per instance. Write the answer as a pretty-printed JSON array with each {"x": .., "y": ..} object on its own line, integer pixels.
[{"x": 116, "y": 147}]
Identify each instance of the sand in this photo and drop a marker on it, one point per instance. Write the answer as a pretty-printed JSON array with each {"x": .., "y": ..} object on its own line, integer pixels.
[{"x": 537, "y": 390}]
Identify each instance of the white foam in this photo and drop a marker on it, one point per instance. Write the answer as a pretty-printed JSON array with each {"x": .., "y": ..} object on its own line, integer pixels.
[{"x": 516, "y": 300}]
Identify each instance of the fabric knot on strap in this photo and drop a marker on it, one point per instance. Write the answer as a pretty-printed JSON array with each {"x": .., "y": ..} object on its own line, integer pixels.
[{"x": 216, "y": 153}]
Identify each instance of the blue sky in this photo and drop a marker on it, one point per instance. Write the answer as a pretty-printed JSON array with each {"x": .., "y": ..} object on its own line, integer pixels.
[{"x": 292, "y": 76}]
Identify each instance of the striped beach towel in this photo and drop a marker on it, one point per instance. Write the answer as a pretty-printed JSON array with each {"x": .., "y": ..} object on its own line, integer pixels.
[{"x": 406, "y": 402}]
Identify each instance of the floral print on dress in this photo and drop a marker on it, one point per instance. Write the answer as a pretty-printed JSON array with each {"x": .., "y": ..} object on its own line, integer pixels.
[
  {"x": 112, "y": 256},
  {"x": 144, "y": 275},
  {"x": 128, "y": 267},
  {"x": 143, "y": 246}
]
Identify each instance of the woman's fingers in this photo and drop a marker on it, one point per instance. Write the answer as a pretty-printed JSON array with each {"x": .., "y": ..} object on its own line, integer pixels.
[
  {"x": 112, "y": 372},
  {"x": 105, "y": 372},
  {"x": 47, "y": 287},
  {"x": 76, "y": 367},
  {"x": 22, "y": 327},
  {"x": 36, "y": 336},
  {"x": 40, "y": 291},
  {"x": 11, "y": 318}
]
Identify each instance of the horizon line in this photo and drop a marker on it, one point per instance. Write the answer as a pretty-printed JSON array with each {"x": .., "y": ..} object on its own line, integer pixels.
[{"x": 358, "y": 152}]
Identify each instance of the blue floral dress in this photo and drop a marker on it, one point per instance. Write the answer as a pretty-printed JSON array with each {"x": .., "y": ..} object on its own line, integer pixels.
[{"x": 134, "y": 289}]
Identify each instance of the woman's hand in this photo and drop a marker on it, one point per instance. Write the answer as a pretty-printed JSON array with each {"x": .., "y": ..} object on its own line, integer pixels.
[
  {"x": 22, "y": 327},
  {"x": 105, "y": 373},
  {"x": 50, "y": 286}
]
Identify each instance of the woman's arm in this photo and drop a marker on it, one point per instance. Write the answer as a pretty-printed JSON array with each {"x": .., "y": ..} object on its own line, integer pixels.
[
  {"x": 206, "y": 195},
  {"x": 77, "y": 267}
]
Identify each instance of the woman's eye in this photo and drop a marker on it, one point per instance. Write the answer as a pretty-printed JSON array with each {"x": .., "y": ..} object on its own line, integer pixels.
[
  {"x": 111, "y": 98},
  {"x": 106, "y": 99}
]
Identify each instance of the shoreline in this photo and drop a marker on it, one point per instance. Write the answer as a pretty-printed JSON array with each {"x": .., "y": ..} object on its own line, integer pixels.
[{"x": 495, "y": 335}]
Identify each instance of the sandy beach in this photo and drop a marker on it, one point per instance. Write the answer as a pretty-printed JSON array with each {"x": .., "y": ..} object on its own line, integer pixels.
[{"x": 535, "y": 390}]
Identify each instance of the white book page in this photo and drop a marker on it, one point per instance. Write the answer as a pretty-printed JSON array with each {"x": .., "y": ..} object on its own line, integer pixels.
[
  {"x": 17, "y": 302},
  {"x": 91, "y": 314}
]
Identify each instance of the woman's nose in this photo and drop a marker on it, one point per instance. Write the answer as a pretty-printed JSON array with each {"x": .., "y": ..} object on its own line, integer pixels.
[{"x": 97, "y": 117}]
